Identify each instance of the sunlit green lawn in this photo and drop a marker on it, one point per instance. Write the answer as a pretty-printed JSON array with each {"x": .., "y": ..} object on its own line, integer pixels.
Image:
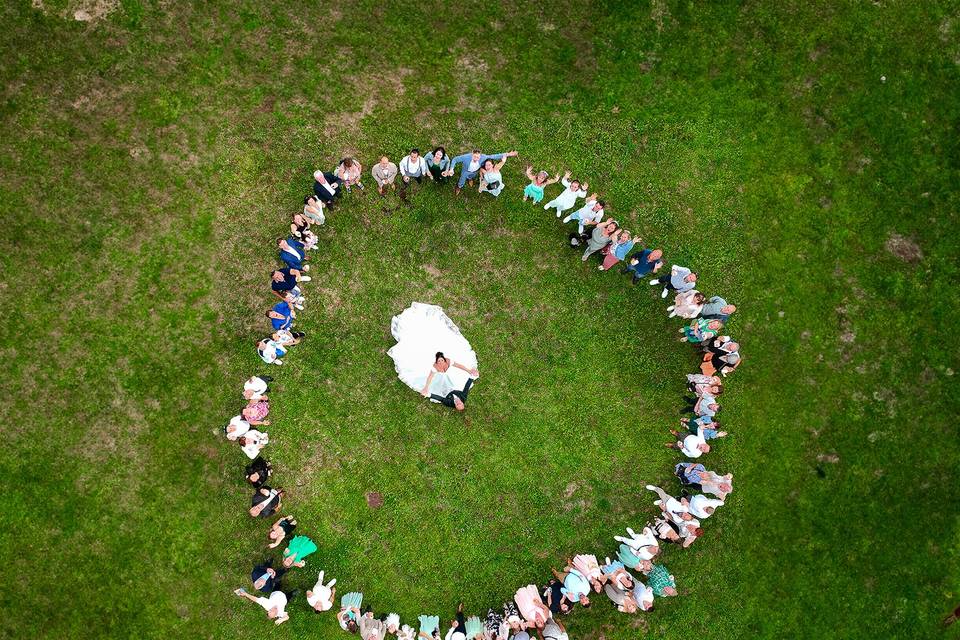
[{"x": 801, "y": 156}]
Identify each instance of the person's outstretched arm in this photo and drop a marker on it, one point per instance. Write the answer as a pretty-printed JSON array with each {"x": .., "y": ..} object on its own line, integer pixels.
[
  {"x": 474, "y": 372},
  {"x": 425, "y": 392}
]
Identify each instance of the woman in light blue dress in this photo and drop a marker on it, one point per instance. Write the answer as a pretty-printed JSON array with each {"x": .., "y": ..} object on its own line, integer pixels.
[
  {"x": 491, "y": 180},
  {"x": 429, "y": 626},
  {"x": 349, "y": 615}
]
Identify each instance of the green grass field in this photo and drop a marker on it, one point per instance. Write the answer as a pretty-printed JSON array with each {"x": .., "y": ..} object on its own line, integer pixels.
[{"x": 802, "y": 156}]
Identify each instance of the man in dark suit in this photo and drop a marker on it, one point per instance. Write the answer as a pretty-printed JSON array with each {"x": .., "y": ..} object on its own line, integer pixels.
[
  {"x": 326, "y": 186},
  {"x": 455, "y": 399}
]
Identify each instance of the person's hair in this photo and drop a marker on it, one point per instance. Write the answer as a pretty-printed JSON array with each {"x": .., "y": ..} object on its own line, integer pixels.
[
  {"x": 476, "y": 151},
  {"x": 242, "y": 441},
  {"x": 441, "y": 150},
  {"x": 279, "y": 240},
  {"x": 574, "y": 182},
  {"x": 602, "y": 203},
  {"x": 352, "y": 626},
  {"x": 587, "y": 605},
  {"x": 415, "y": 150},
  {"x": 698, "y": 532},
  {"x": 384, "y": 158},
  {"x": 308, "y": 198},
  {"x": 347, "y": 162},
  {"x": 699, "y": 297},
  {"x": 490, "y": 160},
  {"x": 439, "y": 356},
  {"x": 267, "y": 314}
]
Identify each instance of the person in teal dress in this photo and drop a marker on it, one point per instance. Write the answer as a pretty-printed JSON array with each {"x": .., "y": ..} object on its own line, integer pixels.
[
  {"x": 660, "y": 580},
  {"x": 538, "y": 181},
  {"x": 701, "y": 330},
  {"x": 299, "y": 548},
  {"x": 629, "y": 559}
]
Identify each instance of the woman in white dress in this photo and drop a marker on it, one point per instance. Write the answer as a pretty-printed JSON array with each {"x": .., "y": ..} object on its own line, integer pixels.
[{"x": 431, "y": 356}]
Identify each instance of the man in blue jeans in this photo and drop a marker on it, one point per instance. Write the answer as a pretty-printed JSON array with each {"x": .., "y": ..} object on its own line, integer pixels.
[{"x": 471, "y": 165}]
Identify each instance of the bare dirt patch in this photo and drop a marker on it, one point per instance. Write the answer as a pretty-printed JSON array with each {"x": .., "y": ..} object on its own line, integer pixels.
[{"x": 904, "y": 248}]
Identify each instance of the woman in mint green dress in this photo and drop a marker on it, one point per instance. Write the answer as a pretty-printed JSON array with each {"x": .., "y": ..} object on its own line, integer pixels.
[
  {"x": 474, "y": 628},
  {"x": 538, "y": 181},
  {"x": 299, "y": 548}
]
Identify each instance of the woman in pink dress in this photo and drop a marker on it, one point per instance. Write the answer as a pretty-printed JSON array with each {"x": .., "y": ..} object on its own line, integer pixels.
[
  {"x": 531, "y": 606},
  {"x": 590, "y": 568}
]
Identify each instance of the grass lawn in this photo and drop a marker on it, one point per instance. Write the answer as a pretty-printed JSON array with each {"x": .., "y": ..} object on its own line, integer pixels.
[{"x": 802, "y": 156}]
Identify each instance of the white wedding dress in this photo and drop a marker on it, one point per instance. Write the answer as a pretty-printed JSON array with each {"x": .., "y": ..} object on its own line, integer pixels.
[{"x": 421, "y": 331}]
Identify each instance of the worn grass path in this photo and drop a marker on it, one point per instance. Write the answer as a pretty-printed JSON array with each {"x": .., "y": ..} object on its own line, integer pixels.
[{"x": 802, "y": 155}]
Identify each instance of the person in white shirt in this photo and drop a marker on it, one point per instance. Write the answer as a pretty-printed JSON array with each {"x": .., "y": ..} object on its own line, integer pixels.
[
  {"x": 393, "y": 623},
  {"x": 414, "y": 166},
  {"x": 643, "y": 595},
  {"x": 256, "y": 387},
  {"x": 644, "y": 545},
  {"x": 322, "y": 595},
  {"x": 590, "y": 213},
  {"x": 703, "y": 507},
  {"x": 252, "y": 442},
  {"x": 676, "y": 510},
  {"x": 693, "y": 446},
  {"x": 569, "y": 196},
  {"x": 236, "y": 428},
  {"x": 275, "y": 604}
]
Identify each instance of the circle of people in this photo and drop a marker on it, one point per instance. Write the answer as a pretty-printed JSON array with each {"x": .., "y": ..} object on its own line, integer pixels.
[{"x": 534, "y": 609}]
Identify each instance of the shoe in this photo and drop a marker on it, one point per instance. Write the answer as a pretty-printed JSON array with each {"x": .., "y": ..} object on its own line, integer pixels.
[
  {"x": 600, "y": 268},
  {"x": 470, "y": 182},
  {"x": 456, "y": 191},
  {"x": 360, "y": 186},
  {"x": 347, "y": 188},
  {"x": 298, "y": 307},
  {"x": 306, "y": 267},
  {"x": 664, "y": 294},
  {"x": 650, "y": 487},
  {"x": 305, "y": 279},
  {"x": 654, "y": 281},
  {"x": 278, "y": 362},
  {"x": 635, "y": 281},
  {"x": 584, "y": 258},
  {"x": 559, "y": 214}
]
